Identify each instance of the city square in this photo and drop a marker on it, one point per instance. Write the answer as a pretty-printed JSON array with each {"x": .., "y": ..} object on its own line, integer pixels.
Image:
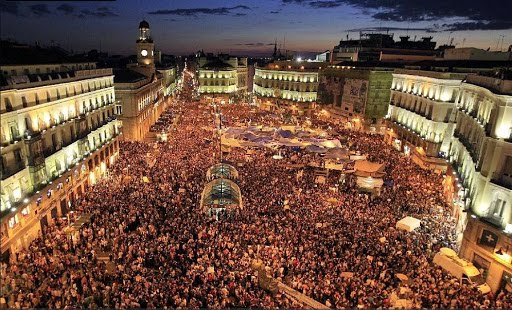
[{"x": 336, "y": 180}]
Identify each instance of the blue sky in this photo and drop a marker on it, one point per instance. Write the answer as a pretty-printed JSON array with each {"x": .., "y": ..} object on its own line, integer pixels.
[{"x": 250, "y": 27}]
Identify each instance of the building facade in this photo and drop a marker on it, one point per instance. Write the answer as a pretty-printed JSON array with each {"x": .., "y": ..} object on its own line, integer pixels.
[
  {"x": 355, "y": 93},
  {"x": 58, "y": 136},
  {"x": 422, "y": 113},
  {"x": 222, "y": 75},
  {"x": 290, "y": 85},
  {"x": 382, "y": 47},
  {"x": 481, "y": 155},
  {"x": 472, "y": 53}
]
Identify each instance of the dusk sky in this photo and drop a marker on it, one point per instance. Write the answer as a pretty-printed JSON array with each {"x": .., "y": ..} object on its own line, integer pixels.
[{"x": 249, "y": 26}]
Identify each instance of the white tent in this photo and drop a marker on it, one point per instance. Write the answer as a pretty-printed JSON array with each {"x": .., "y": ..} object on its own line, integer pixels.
[
  {"x": 369, "y": 182},
  {"x": 408, "y": 223}
]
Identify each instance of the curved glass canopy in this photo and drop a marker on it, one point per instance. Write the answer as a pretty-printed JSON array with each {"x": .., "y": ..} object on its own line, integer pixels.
[
  {"x": 221, "y": 193},
  {"x": 222, "y": 170}
]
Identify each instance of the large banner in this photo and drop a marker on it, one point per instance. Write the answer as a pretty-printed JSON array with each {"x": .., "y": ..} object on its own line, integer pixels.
[{"x": 354, "y": 95}]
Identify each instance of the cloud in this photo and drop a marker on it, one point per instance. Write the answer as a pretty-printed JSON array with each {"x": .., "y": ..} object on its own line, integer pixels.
[
  {"x": 39, "y": 9},
  {"x": 99, "y": 12},
  {"x": 254, "y": 44},
  {"x": 477, "y": 14},
  {"x": 240, "y": 14},
  {"x": 205, "y": 11},
  {"x": 66, "y": 9},
  {"x": 10, "y": 7},
  {"x": 325, "y": 4},
  {"x": 381, "y": 29},
  {"x": 274, "y": 12}
]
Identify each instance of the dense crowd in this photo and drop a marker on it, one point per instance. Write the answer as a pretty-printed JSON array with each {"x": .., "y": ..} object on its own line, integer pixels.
[{"x": 328, "y": 241}]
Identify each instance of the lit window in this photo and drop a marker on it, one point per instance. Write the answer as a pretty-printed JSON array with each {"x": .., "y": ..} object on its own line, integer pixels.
[
  {"x": 13, "y": 221},
  {"x": 25, "y": 211}
]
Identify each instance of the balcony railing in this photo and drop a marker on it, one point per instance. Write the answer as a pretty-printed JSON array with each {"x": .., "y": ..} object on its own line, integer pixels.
[
  {"x": 32, "y": 135},
  {"x": 12, "y": 170},
  {"x": 468, "y": 145}
]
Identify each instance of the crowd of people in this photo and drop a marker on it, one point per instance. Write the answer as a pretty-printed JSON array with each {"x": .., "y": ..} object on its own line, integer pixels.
[{"x": 328, "y": 241}]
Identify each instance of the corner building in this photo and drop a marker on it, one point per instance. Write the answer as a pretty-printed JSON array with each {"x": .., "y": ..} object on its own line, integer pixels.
[
  {"x": 143, "y": 92},
  {"x": 59, "y": 135},
  {"x": 481, "y": 154}
]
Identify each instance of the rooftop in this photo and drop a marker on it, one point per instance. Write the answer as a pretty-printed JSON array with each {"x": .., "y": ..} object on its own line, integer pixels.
[{"x": 127, "y": 76}]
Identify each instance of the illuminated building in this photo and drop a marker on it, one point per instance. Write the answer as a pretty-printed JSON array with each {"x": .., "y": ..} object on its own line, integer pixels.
[
  {"x": 481, "y": 154},
  {"x": 58, "y": 136},
  {"x": 142, "y": 90},
  {"x": 422, "y": 113},
  {"x": 290, "y": 85},
  {"x": 222, "y": 75}
]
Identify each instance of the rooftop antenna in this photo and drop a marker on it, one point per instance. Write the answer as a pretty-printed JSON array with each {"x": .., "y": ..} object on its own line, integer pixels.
[
  {"x": 501, "y": 45},
  {"x": 498, "y": 42},
  {"x": 463, "y": 41}
]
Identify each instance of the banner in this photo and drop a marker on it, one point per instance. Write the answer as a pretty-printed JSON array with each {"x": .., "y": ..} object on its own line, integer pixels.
[{"x": 488, "y": 239}]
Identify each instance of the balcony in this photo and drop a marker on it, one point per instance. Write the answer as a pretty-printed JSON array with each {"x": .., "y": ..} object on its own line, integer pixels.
[
  {"x": 30, "y": 136},
  {"x": 12, "y": 170},
  {"x": 83, "y": 134},
  {"x": 49, "y": 151},
  {"x": 501, "y": 182},
  {"x": 473, "y": 152}
]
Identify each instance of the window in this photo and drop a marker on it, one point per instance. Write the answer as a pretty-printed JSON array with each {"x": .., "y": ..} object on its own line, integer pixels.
[
  {"x": 8, "y": 104},
  {"x": 17, "y": 156},
  {"x": 24, "y": 101},
  {"x": 497, "y": 208}
]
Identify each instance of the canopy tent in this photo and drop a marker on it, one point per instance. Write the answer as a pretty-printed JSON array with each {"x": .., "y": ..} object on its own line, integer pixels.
[
  {"x": 315, "y": 149},
  {"x": 330, "y": 143},
  {"x": 262, "y": 139},
  {"x": 230, "y": 142},
  {"x": 284, "y": 133},
  {"x": 369, "y": 182},
  {"x": 221, "y": 193},
  {"x": 408, "y": 223},
  {"x": 339, "y": 153},
  {"x": 366, "y": 168},
  {"x": 222, "y": 170},
  {"x": 249, "y": 136}
]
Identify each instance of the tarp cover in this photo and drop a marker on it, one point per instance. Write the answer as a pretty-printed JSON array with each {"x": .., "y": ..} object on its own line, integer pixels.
[
  {"x": 408, "y": 223},
  {"x": 365, "y": 168}
]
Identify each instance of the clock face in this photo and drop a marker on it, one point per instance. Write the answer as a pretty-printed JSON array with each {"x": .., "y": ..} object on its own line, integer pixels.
[{"x": 144, "y": 52}]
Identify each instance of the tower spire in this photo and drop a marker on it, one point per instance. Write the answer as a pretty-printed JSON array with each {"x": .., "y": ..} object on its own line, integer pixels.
[{"x": 274, "y": 55}]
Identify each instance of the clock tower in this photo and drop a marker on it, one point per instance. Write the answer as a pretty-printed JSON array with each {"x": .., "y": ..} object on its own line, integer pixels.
[{"x": 145, "y": 46}]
